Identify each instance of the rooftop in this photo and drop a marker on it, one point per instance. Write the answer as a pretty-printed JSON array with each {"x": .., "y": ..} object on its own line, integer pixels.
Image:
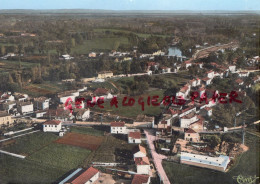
[
  {"x": 117, "y": 124},
  {"x": 135, "y": 135},
  {"x": 52, "y": 122},
  {"x": 142, "y": 161},
  {"x": 140, "y": 179},
  {"x": 84, "y": 176}
]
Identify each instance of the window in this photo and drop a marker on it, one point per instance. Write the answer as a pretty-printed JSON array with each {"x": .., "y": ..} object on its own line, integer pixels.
[
  {"x": 55, "y": 126},
  {"x": 188, "y": 134}
]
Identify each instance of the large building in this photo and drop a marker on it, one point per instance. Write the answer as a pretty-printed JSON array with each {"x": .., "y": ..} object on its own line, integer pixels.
[
  {"x": 118, "y": 128},
  {"x": 41, "y": 103},
  {"x": 52, "y": 126},
  {"x": 216, "y": 163}
]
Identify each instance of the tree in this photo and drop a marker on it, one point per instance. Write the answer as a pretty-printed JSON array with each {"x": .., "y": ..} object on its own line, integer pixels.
[{"x": 213, "y": 141}]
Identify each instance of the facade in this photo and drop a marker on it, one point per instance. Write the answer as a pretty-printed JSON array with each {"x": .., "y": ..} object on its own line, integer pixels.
[
  {"x": 216, "y": 163},
  {"x": 25, "y": 107},
  {"x": 142, "y": 165},
  {"x": 191, "y": 135},
  {"x": 188, "y": 119},
  {"x": 105, "y": 74},
  {"x": 118, "y": 128},
  {"x": 5, "y": 118},
  {"x": 41, "y": 103},
  {"x": 134, "y": 137},
  {"x": 140, "y": 152},
  {"x": 52, "y": 126}
]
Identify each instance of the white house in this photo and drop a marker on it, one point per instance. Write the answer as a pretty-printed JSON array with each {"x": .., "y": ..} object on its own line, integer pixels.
[
  {"x": 63, "y": 97},
  {"x": 232, "y": 68},
  {"x": 142, "y": 165},
  {"x": 216, "y": 163},
  {"x": 134, "y": 137},
  {"x": 207, "y": 80},
  {"x": 210, "y": 74},
  {"x": 82, "y": 114},
  {"x": 81, "y": 176},
  {"x": 243, "y": 74},
  {"x": 41, "y": 103},
  {"x": 52, "y": 126},
  {"x": 140, "y": 152},
  {"x": 141, "y": 179},
  {"x": 118, "y": 128},
  {"x": 191, "y": 135},
  {"x": 25, "y": 107},
  {"x": 66, "y": 57},
  {"x": 188, "y": 119}
]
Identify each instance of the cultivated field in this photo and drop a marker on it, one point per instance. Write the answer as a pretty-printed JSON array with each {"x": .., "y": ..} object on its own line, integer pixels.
[{"x": 81, "y": 140}]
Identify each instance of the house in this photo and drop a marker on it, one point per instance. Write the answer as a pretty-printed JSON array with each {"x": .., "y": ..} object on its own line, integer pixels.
[
  {"x": 198, "y": 126},
  {"x": 41, "y": 103},
  {"x": 154, "y": 64},
  {"x": 207, "y": 111},
  {"x": 256, "y": 79},
  {"x": 166, "y": 70},
  {"x": 83, "y": 176},
  {"x": 118, "y": 128},
  {"x": 195, "y": 82},
  {"x": 105, "y": 74},
  {"x": 40, "y": 113},
  {"x": 59, "y": 114},
  {"x": 243, "y": 74},
  {"x": 232, "y": 68},
  {"x": 207, "y": 80},
  {"x": 184, "y": 91},
  {"x": 7, "y": 97},
  {"x": 187, "y": 111},
  {"x": 141, "y": 179},
  {"x": 101, "y": 93},
  {"x": 142, "y": 165},
  {"x": 187, "y": 63},
  {"x": 6, "y": 106},
  {"x": 82, "y": 114},
  {"x": 239, "y": 82},
  {"x": 188, "y": 119},
  {"x": 210, "y": 74},
  {"x": 216, "y": 163},
  {"x": 134, "y": 137},
  {"x": 20, "y": 97},
  {"x": 5, "y": 118},
  {"x": 191, "y": 135},
  {"x": 64, "y": 96},
  {"x": 66, "y": 57},
  {"x": 52, "y": 126},
  {"x": 25, "y": 107},
  {"x": 92, "y": 54},
  {"x": 139, "y": 151}
]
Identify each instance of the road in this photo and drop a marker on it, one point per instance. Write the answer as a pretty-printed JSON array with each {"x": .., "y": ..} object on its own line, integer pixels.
[{"x": 157, "y": 158}]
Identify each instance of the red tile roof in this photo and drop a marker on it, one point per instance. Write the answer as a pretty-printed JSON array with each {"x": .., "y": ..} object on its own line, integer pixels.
[
  {"x": 140, "y": 179},
  {"x": 52, "y": 122},
  {"x": 135, "y": 135},
  {"x": 142, "y": 161},
  {"x": 85, "y": 176},
  {"x": 117, "y": 124},
  {"x": 190, "y": 131}
]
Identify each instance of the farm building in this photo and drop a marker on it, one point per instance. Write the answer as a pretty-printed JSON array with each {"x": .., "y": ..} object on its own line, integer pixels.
[
  {"x": 118, "y": 128},
  {"x": 216, "y": 163},
  {"x": 52, "y": 126}
]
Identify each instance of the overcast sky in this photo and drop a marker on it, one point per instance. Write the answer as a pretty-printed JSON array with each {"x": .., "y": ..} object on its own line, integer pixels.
[{"x": 133, "y": 4}]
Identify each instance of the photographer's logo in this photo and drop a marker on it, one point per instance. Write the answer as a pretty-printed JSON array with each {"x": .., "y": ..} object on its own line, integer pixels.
[{"x": 245, "y": 179}]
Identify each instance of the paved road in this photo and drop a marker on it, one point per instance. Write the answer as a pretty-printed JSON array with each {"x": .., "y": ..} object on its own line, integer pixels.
[{"x": 157, "y": 158}]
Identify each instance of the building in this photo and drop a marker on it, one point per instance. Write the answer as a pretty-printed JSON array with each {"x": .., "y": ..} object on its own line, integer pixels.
[
  {"x": 63, "y": 97},
  {"x": 83, "y": 176},
  {"x": 210, "y": 74},
  {"x": 118, "y": 128},
  {"x": 82, "y": 114},
  {"x": 191, "y": 135},
  {"x": 41, "y": 103},
  {"x": 101, "y": 93},
  {"x": 243, "y": 74},
  {"x": 52, "y": 126},
  {"x": 188, "y": 119},
  {"x": 239, "y": 82},
  {"x": 59, "y": 114},
  {"x": 5, "y": 118},
  {"x": 105, "y": 74},
  {"x": 92, "y": 54},
  {"x": 141, "y": 179},
  {"x": 143, "y": 121},
  {"x": 139, "y": 152},
  {"x": 232, "y": 68},
  {"x": 25, "y": 107},
  {"x": 134, "y": 137},
  {"x": 142, "y": 165},
  {"x": 207, "y": 111},
  {"x": 216, "y": 163},
  {"x": 207, "y": 80}
]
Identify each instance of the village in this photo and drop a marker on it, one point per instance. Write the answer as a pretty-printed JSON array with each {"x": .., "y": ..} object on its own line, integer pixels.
[{"x": 197, "y": 144}]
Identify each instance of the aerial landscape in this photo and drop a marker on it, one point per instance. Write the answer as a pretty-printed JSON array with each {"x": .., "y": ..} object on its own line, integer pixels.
[{"x": 129, "y": 92}]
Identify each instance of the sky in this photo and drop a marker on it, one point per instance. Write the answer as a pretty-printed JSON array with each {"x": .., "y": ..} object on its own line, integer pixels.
[{"x": 133, "y": 4}]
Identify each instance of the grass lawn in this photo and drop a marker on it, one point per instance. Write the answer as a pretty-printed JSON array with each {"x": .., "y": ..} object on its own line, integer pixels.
[
  {"x": 136, "y": 109},
  {"x": 87, "y": 130},
  {"x": 246, "y": 165},
  {"x": 45, "y": 163},
  {"x": 100, "y": 44}
]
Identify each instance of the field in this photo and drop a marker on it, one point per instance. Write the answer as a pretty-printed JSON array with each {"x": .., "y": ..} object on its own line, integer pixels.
[
  {"x": 81, "y": 140},
  {"x": 46, "y": 161},
  {"x": 87, "y": 130},
  {"x": 246, "y": 165}
]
